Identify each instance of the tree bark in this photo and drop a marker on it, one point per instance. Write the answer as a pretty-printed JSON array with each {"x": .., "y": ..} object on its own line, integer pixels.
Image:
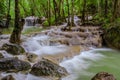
[
  {"x": 106, "y": 8},
  {"x": 16, "y": 34},
  {"x": 83, "y": 12},
  {"x": 49, "y": 13},
  {"x": 63, "y": 12},
  {"x": 8, "y": 15},
  {"x": 72, "y": 13},
  {"x": 114, "y": 10},
  {"x": 68, "y": 23},
  {"x": 55, "y": 11}
]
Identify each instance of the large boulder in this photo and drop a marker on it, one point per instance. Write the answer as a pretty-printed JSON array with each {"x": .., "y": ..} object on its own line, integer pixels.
[
  {"x": 13, "y": 65},
  {"x": 8, "y": 77},
  {"x": 13, "y": 49},
  {"x": 47, "y": 68},
  {"x": 1, "y": 55},
  {"x": 103, "y": 76}
]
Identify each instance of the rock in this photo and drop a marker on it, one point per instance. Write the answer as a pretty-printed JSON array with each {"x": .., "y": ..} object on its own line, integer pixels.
[
  {"x": 31, "y": 57},
  {"x": 13, "y": 65},
  {"x": 47, "y": 68},
  {"x": 13, "y": 49},
  {"x": 1, "y": 56},
  {"x": 103, "y": 76},
  {"x": 111, "y": 36},
  {"x": 9, "y": 77}
]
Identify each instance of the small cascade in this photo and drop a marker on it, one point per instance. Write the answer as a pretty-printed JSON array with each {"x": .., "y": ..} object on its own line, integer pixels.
[
  {"x": 79, "y": 64},
  {"x": 77, "y": 20},
  {"x": 31, "y": 21},
  {"x": 35, "y": 43}
]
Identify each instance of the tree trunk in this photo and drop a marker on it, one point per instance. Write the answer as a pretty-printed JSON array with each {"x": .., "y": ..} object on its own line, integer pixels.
[
  {"x": 49, "y": 13},
  {"x": 63, "y": 12},
  {"x": 101, "y": 7},
  {"x": 83, "y": 12},
  {"x": 8, "y": 15},
  {"x": 16, "y": 34},
  {"x": 68, "y": 23},
  {"x": 114, "y": 10},
  {"x": 72, "y": 13},
  {"x": 55, "y": 11},
  {"x": 106, "y": 8}
]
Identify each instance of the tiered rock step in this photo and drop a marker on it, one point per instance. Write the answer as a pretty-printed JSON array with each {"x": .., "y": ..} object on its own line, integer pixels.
[{"x": 84, "y": 36}]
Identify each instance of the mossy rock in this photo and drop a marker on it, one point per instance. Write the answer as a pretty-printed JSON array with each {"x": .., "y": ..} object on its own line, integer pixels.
[
  {"x": 13, "y": 49},
  {"x": 1, "y": 56},
  {"x": 112, "y": 36},
  {"x": 13, "y": 65},
  {"x": 8, "y": 77},
  {"x": 103, "y": 76},
  {"x": 48, "y": 68}
]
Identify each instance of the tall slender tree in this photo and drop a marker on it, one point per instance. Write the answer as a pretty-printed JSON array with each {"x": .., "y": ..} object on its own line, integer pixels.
[
  {"x": 68, "y": 13},
  {"x": 72, "y": 14},
  {"x": 83, "y": 11},
  {"x": 55, "y": 11},
  {"x": 16, "y": 34},
  {"x": 49, "y": 13},
  {"x": 106, "y": 8},
  {"x": 8, "y": 15},
  {"x": 115, "y": 2}
]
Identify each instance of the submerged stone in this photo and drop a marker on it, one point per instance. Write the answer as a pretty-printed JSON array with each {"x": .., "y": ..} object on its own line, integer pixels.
[
  {"x": 13, "y": 49},
  {"x": 103, "y": 76}
]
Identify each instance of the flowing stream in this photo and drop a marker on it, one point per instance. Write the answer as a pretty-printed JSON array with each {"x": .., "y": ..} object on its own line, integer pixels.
[
  {"x": 88, "y": 63},
  {"x": 82, "y": 66}
]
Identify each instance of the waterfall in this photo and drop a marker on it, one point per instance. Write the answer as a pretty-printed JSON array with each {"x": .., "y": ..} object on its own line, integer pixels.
[{"x": 31, "y": 21}]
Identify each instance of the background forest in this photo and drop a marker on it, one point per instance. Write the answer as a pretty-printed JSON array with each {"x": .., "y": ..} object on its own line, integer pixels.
[{"x": 104, "y": 12}]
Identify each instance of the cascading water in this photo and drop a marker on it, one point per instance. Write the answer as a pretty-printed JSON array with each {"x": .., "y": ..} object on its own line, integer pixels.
[
  {"x": 88, "y": 63},
  {"x": 81, "y": 67}
]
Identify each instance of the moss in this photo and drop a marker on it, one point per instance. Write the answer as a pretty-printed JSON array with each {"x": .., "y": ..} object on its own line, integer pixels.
[
  {"x": 7, "y": 30},
  {"x": 32, "y": 30},
  {"x": 112, "y": 35}
]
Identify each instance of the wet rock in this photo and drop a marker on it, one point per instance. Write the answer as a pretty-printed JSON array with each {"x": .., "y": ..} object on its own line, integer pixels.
[
  {"x": 103, "y": 76},
  {"x": 31, "y": 57},
  {"x": 9, "y": 77},
  {"x": 13, "y": 65},
  {"x": 47, "y": 68},
  {"x": 13, "y": 49},
  {"x": 1, "y": 56}
]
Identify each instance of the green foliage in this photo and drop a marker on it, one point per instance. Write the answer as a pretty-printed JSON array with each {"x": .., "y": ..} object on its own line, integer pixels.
[
  {"x": 2, "y": 9},
  {"x": 112, "y": 34},
  {"x": 46, "y": 23}
]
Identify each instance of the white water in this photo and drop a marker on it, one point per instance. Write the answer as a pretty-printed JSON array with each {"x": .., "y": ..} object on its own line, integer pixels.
[
  {"x": 75, "y": 66},
  {"x": 41, "y": 45},
  {"x": 80, "y": 63}
]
